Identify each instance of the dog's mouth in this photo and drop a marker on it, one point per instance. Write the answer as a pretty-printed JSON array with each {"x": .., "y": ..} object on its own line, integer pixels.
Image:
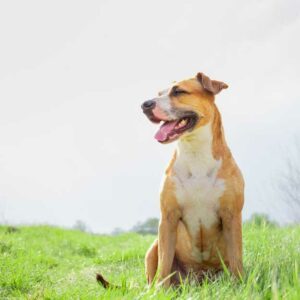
[{"x": 171, "y": 130}]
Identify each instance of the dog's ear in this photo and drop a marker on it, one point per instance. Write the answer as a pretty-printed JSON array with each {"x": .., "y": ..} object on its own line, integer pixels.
[{"x": 212, "y": 86}]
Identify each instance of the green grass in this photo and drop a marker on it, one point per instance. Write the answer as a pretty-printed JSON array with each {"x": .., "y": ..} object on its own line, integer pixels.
[{"x": 50, "y": 263}]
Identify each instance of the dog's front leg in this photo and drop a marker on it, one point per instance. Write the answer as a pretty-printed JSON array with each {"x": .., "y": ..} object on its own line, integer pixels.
[
  {"x": 166, "y": 245},
  {"x": 232, "y": 228}
]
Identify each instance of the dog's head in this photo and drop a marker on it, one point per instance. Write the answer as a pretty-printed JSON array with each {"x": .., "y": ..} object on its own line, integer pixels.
[{"x": 187, "y": 105}]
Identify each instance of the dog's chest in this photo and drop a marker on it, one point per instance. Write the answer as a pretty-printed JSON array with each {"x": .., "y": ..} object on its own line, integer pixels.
[{"x": 197, "y": 189}]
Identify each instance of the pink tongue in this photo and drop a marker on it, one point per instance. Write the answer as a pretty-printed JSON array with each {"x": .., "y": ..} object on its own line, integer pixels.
[{"x": 165, "y": 130}]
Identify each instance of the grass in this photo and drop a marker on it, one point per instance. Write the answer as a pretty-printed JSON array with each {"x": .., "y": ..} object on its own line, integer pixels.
[{"x": 45, "y": 262}]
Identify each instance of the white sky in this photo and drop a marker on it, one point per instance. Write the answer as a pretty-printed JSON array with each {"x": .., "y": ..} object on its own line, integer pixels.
[{"x": 74, "y": 143}]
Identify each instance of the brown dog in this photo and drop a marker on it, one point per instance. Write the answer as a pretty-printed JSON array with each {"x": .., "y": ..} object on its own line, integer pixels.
[{"x": 203, "y": 191}]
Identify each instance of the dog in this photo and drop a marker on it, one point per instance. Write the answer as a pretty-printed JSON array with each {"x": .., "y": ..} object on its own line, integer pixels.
[{"x": 201, "y": 201}]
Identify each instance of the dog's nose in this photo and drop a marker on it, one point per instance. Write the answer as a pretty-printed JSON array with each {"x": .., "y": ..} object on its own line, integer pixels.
[{"x": 147, "y": 105}]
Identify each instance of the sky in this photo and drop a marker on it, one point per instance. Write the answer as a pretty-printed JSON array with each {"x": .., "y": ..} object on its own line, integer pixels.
[{"x": 74, "y": 144}]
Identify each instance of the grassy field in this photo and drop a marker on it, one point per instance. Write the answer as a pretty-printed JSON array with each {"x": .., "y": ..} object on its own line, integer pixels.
[{"x": 50, "y": 263}]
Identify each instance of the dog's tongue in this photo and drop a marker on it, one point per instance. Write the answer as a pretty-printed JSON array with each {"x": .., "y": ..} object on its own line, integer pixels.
[{"x": 165, "y": 130}]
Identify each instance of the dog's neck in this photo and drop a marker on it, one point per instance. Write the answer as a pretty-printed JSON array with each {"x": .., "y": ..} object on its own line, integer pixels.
[
  {"x": 198, "y": 143},
  {"x": 205, "y": 148}
]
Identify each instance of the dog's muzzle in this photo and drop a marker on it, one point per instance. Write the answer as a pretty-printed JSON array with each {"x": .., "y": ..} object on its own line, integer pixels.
[{"x": 147, "y": 108}]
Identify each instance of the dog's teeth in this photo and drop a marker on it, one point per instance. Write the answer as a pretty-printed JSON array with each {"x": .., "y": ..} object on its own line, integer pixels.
[{"x": 182, "y": 122}]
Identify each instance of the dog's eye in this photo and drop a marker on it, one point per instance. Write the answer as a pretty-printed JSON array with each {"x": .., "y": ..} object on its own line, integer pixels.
[{"x": 178, "y": 92}]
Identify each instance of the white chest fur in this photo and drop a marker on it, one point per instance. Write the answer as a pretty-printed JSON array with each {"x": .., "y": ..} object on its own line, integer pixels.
[{"x": 198, "y": 189}]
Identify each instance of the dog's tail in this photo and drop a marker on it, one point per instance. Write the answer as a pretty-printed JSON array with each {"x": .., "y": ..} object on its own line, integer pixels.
[{"x": 101, "y": 280}]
